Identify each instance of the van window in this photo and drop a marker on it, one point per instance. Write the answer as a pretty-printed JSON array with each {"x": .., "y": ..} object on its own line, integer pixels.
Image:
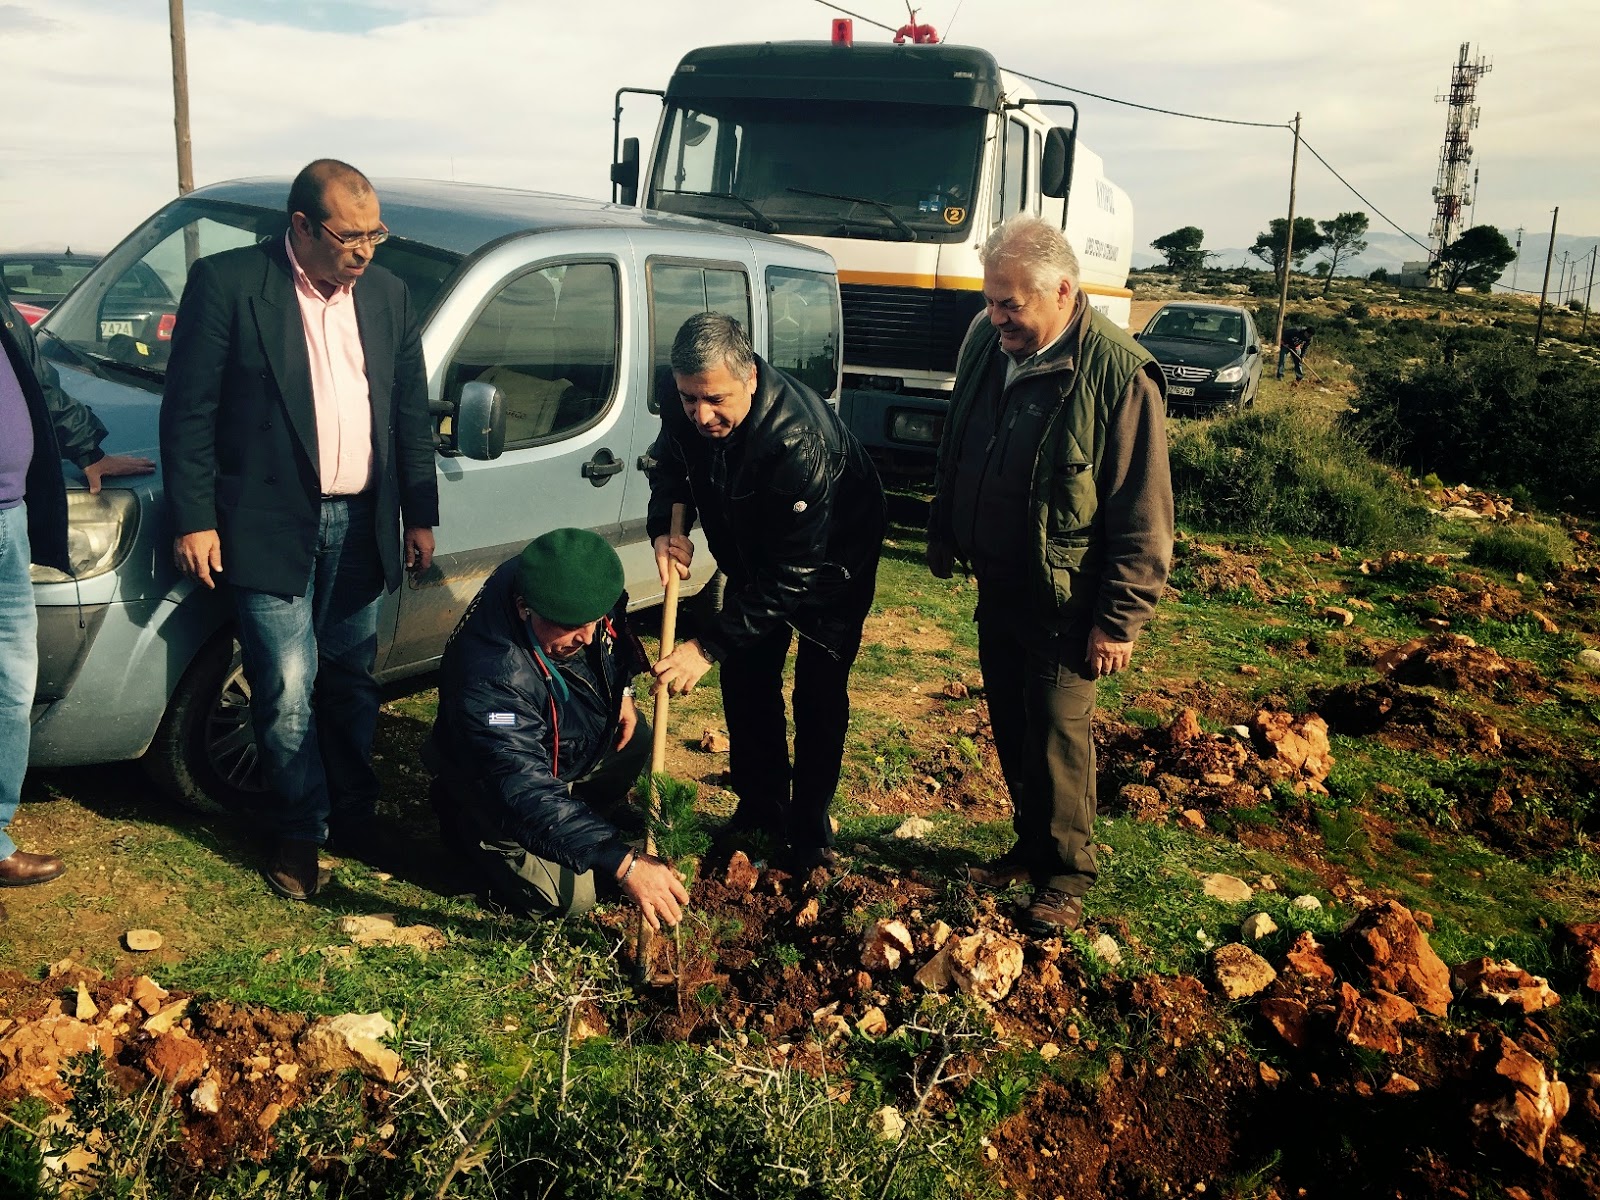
[
  {"x": 1015, "y": 173},
  {"x": 679, "y": 290},
  {"x": 549, "y": 341},
  {"x": 803, "y": 314}
]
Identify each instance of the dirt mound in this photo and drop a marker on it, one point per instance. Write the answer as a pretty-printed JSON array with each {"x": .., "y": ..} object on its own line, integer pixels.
[
  {"x": 1407, "y": 718},
  {"x": 1457, "y": 663},
  {"x": 1213, "y": 570}
]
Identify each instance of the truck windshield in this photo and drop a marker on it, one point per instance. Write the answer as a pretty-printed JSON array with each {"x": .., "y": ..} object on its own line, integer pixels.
[
  {"x": 884, "y": 172},
  {"x": 123, "y": 313}
]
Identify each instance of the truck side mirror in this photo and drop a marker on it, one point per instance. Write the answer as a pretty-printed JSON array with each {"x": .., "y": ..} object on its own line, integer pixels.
[
  {"x": 481, "y": 421},
  {"x": 625, "y": 172},
  {"x": 1055, "y": 176}
]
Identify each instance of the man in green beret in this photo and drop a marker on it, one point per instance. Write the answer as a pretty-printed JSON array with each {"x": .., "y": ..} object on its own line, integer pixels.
[{"x": 537, "y": 736}]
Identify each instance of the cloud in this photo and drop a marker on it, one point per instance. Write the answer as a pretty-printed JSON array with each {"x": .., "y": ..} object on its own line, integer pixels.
[{"x": 496, "y": 91}]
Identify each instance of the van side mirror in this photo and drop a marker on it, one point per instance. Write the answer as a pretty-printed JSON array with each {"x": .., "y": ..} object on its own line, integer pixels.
[
  {"x": 1055, "y": 175},
  {"x": 481, "y": 421},
  {"x": 625, "y": 172}
]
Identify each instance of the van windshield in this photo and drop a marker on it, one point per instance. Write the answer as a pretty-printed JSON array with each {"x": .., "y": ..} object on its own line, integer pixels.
[
  {"x": 888, "y": 172},
  {"x": 123, "y": 313}
]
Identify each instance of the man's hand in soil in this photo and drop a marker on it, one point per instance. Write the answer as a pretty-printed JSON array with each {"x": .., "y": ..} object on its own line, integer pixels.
[
  {"x": 655, "y": 888},
  {"x": 682, "y": 669},
  {"x": 673, "y": 550},
  {"x": 1106, "y": 657}
]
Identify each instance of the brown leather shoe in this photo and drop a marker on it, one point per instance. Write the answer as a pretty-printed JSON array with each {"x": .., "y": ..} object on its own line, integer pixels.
[
  {"x": 1052, "y": 913},
  {"x": 1002, "y": 872},
  {"x": 292, "y": 871},
  {"x": 24, "y": 870}
]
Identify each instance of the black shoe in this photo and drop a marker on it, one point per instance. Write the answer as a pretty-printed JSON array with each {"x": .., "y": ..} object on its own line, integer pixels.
[
  {"x": 1052, "y": 913},
  {"x": 1001, "y": 872},
  {"x": 802, "y": 860}
]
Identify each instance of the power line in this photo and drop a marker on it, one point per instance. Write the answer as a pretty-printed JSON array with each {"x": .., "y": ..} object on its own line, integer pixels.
[
  {"x": 1359, "y": 196},
  {"x": 1168, "y": 112}
]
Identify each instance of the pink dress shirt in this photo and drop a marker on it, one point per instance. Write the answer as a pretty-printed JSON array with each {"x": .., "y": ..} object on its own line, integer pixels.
[{"x": 339, "y": 389}]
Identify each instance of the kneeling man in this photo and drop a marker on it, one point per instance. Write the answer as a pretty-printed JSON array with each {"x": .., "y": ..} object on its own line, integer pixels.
[{"x": 537, "y": 734}]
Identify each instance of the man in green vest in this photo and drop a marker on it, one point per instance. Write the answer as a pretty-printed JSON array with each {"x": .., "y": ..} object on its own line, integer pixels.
[{"x": 1053, "y": 489}]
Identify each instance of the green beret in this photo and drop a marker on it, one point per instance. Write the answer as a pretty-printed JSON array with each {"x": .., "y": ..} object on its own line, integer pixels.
[{"x": 569, "y": 576}]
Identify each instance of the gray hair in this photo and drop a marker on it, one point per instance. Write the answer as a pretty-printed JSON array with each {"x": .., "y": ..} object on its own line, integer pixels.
[
  {"x": 1035, "y": 247},
  {"x": 709, "y": 340}
]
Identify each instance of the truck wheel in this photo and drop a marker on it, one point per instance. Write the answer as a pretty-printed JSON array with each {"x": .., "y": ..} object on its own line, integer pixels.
[{"x": 204, "y": 754}]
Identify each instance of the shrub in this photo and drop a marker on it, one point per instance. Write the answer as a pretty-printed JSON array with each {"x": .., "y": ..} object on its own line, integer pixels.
[
  {"x": 1357, "y": 310},
  {"x": 1379, "y": 275},
  {"x": 1289, "y": 472},
  {"x": 1532, "y": 548},
  {"x": 1480, "y": 405}
]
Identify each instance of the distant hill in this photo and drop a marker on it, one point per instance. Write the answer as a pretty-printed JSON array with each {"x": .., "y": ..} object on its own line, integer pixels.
[{"x": 1390, "y": 250}]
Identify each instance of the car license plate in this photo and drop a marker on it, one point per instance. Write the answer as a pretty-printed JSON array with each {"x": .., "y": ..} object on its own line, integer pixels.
[
  {"x": 110, "y": 329},
  {"x": 1174, "y": 390}
]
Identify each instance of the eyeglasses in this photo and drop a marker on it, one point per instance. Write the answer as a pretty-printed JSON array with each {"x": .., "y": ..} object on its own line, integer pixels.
[{"x": 375, "y": 238}]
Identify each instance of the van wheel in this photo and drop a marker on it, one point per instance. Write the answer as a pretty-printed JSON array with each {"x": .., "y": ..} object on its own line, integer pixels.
[{"x": 204, "y": 754}]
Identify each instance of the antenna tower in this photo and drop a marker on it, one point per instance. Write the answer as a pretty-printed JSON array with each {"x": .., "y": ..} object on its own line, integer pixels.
[{"x": 1451, "y": 192}]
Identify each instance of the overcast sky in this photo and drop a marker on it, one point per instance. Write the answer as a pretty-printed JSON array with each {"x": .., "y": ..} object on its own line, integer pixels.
[{"x": 519, "y": 92}]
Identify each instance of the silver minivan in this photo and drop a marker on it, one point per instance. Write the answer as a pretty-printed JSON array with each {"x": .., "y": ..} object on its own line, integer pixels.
[{"x": 546, "y": 325}]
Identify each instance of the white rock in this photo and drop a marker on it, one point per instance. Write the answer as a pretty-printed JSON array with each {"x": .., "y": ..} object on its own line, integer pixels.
[
  {"x": 914, "y": 827},
  {"x": 1589, "y": 659},
  {"x": 207, "y": 1096},
  {"x": 1257, "y": 926},
  {"x": 1240, "y": 972},
  {"x": 883, "y": 944},
  {"x": 1307, "y": 903},
  {"x": 1228, "y": 888},
  {"x": 889, "y": 1123},
  {"x": 985, "y": 964},
  {"x": 1106, "y": 950},
  {"x": 1242, "y": 732},
  {"x": 351, "y": 1040}
]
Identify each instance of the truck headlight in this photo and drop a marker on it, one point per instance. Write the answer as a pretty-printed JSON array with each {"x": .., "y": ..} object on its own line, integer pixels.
[
  {"x": 1230, "y": 374},
  {"x": 100, "y": 531}
]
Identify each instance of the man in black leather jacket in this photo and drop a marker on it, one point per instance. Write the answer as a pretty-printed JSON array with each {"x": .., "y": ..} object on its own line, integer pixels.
[
  {"x": 794, "y": 513},
  {"x": 537, "y": 732}
]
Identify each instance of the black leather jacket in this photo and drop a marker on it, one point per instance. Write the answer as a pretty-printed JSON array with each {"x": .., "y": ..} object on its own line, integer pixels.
[
  {"x": 503, "y": 734},
  {"x": 792, "y": 509}
]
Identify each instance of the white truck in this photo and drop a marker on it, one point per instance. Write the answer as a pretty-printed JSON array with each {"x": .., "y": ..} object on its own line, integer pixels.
[{"x": 898, "y": 160}]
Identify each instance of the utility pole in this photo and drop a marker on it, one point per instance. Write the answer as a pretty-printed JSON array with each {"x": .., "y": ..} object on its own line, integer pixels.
[
  {"x": 1288, "y": 237},
  {"x": 1549, "y": 257},
  {"x": 1517, "y": 261},
  {"x": 180, "y": 97},
  {"x": 1474, "y": 218},
  {"x": 1589, "y": 295}
]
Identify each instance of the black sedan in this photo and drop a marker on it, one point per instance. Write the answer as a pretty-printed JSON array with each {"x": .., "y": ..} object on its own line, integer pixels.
[
  {"x": 1210, "y": 354},
  {"x": 36, "y": 280}
]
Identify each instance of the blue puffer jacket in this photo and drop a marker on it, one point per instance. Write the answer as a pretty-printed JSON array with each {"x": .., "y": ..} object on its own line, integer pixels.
[{"x": 503, "y": 732}]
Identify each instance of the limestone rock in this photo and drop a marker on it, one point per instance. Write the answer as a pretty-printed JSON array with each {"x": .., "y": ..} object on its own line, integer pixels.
[
  {"x": 714, "y": 741},
  {"x": 1372, "y": 1022},
  {"x": 1398, "y": 958},
  {"x": 207, "y": 1096},
  {"x": 884, "y": 943},
  {"x": 888, "y": 1123},
  {"x": 1192, "y": 818},
  {"x": 934, "y": 975},
  {"x": 1106, "y": 950},
  {"x": 808, "y": 914},
  {"x": 1142, "y": 802},
  {"x": 86, "y": 1009},
  {"x": 1257, "y": 926},
  {"x": 166, "y": 1018},
  {"x": 1049, "y": 1051},
  {"x": 956, "y": 690},
  {"x": 142, "y": 940},
  {"x": 1307, "y": 903},
  {"x": 939, "y": 934},
  {"x": 1531, "y": 1103},
  {"x": 1338, "y": 616},
  {"x": 985, "y": 964},
  {"x": 1504, "y": 984},
  {"x": 1307, "y": 961},
  {"x": 380, "y": 929},
  {"x": 1185, "y": 728},
  {"x": 1230, "y": 889},
  {"x": 872, "y": 1023},
  {"x": 176, "y": 1059},
  {"x": 352, "y": 1040},
  {"x": 1589, "y": 660},
  {"x": 913, "y": 828},
  {"x": 33, "y": 1054},
  {"x": 1298, "y": 746},
  {"x": 1289, "y": 1016},
  {"x": 1239, "y": 971},
  {"x": 148, "y": 994}
]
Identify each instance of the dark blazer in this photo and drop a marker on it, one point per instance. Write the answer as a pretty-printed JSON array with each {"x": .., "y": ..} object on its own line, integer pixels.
[
  {"x": 238, "y": 424},
  {"x": 62, "y": 428}
]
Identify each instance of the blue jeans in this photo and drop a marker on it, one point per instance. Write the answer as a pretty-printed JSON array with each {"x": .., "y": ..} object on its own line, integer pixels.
[
  {"x": 1288, "y": 353},
  {"x": 19, "y": 664},
  {"x": 309, "y": 660}
]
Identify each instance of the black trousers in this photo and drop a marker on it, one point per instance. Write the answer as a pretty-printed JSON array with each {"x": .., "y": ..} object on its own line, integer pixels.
[
  {"x": 789, "y": 800},
  {"x": 1041, "y": 702}
]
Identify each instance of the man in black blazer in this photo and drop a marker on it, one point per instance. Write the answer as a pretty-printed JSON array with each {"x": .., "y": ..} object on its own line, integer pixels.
[{"x": 295, "y": 439}]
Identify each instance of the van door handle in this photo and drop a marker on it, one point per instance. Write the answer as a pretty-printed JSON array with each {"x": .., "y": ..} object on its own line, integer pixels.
[{"x": 601, "y": 467}]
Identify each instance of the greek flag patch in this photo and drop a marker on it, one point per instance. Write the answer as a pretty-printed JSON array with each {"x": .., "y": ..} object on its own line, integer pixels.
[{"x": 503, "y": 719}]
